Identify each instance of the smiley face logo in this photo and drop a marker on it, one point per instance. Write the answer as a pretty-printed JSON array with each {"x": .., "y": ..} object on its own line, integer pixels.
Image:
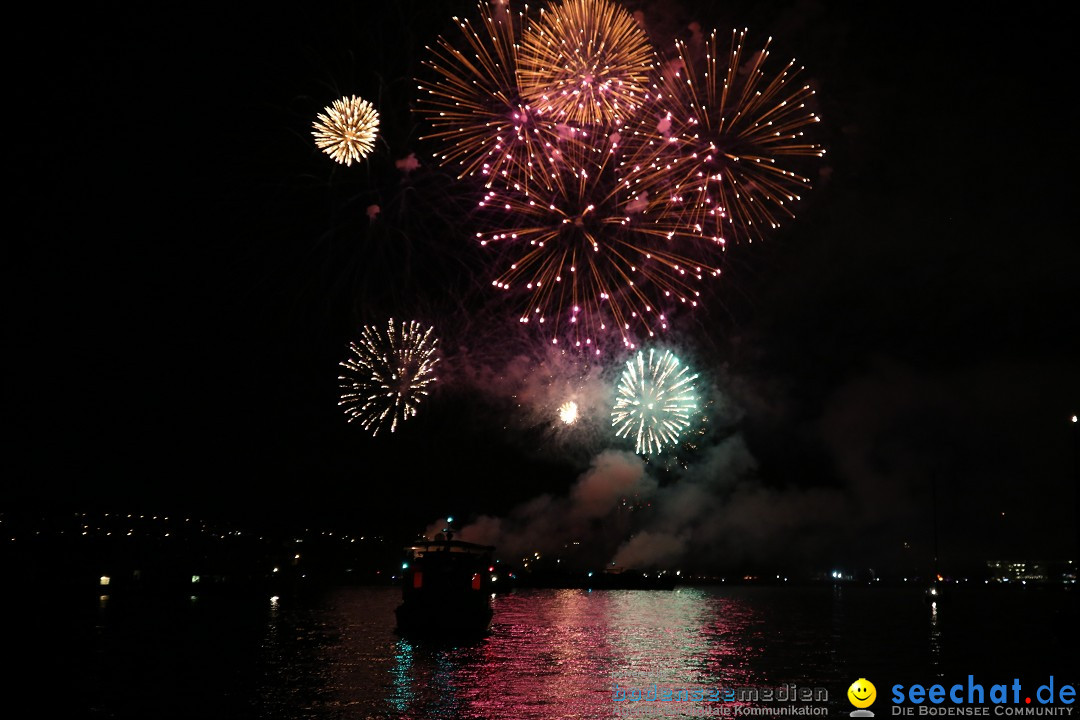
[{"x": 862, "y": 693}]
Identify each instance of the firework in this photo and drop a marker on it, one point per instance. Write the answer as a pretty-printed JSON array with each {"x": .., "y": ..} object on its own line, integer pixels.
[
  {"x": 562, "y": 399},
  {"x": 475, "y": 106},
  {"x": 610, "y": 190},
  {"x": 388, "y": 375},
  {"x": 592, "y": 246},
  {"x": 346, "y": 129},
  {"x": 568, "y": 412},
  {"x": 654, "y": 401},
  {"x": 585, "y": 62},
  {"x": 731, "y": 135}
]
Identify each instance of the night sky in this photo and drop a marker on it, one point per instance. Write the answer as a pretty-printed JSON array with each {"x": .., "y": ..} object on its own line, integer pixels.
[{"x": 189, "y": 270}]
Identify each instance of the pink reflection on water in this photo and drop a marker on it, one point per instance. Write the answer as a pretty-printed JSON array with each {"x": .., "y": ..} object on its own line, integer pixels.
[
  {"x": 563, "y": 656},
  {"x": 551, "y": 654}
]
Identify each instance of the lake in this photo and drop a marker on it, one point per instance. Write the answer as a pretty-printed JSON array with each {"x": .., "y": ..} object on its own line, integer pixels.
[{"x": 333, "y": 653}]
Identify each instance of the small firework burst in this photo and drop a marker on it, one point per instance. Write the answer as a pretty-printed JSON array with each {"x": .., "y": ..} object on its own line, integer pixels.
[
  {"x": 654, "y": 400},
  {"x": 388, "y": 375},
  {"x": 585, "y": 62},
  {"x": 568, "y": 412},
  {"x": 561, "y": 401},
  {"x": 734, "y": 132},
  {"x": 346, "y": 129}
]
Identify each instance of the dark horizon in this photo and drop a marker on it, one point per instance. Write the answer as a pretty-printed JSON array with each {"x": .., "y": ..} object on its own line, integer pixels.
[{"x": 160, "y": 553}]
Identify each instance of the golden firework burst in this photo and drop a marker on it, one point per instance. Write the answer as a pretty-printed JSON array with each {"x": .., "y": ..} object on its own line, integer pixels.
[
  {"x": 346, "y": 130},
  {"x": 585, "y": 62}
]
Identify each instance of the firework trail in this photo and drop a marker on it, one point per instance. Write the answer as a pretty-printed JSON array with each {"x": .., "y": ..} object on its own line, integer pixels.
[
  {"x": 387, "y": 375},
  {"x": 654, "y": 401},
  {"x": 346, "y": 130}
]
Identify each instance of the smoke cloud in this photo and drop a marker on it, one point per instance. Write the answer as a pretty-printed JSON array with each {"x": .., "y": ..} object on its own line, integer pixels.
[
  {"x": 707, "y": 505},
  {"x": 585, "y": 526}
]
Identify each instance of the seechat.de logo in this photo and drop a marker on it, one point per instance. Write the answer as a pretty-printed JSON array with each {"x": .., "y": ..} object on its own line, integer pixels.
[{"x": 862, "y": 694}]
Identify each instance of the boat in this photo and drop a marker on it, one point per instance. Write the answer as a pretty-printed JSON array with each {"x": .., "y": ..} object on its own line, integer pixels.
[{"x": 446, "y": 588}]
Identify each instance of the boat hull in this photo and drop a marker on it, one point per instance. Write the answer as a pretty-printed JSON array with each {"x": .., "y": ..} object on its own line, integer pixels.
[{"x": 443, "y": 618}]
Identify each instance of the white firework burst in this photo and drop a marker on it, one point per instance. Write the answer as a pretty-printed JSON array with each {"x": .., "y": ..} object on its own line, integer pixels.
[
  {"x": 654, "y": 401},
  {"x": 388, "y": 375}
]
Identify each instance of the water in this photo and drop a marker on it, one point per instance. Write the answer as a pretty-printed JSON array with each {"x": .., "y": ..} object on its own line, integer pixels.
[{"x": 551, "y": 653}]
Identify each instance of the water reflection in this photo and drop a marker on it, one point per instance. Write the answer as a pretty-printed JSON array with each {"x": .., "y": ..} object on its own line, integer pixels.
[
  {"x": 562, "y": 653},
  {"x": 402, "y": 694},
  {"x": 935, "y": 640},
  {"x": 556, "y": 653}
]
